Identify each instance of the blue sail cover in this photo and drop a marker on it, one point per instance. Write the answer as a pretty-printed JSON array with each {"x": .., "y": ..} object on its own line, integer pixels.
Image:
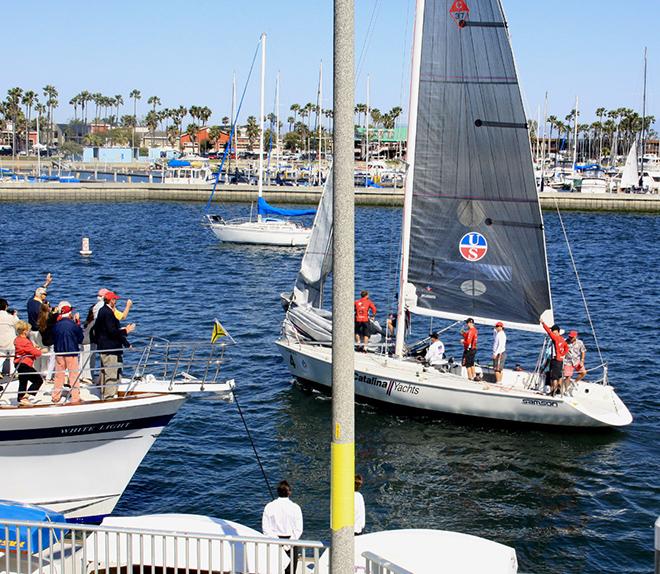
[
  {"x": 178, "y": 163},
  {"x": 27, "y": 538},
  {"x": 266, "y": 209}
]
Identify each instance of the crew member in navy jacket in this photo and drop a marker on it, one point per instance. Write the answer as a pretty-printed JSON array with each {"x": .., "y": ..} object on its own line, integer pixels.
[
  {"x": 110, "y": 338},
  {"x": 67, "y": 337}
]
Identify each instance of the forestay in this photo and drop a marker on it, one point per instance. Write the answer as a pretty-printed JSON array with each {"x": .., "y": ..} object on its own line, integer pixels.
[
  {"x": 317, "y": 261},
  {"x": 476, "y": 242}
]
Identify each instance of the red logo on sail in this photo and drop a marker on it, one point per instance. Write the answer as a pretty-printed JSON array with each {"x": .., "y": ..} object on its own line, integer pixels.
[
  {"x": 473, "y": 246},
  {"x": 459, "y": 11}
]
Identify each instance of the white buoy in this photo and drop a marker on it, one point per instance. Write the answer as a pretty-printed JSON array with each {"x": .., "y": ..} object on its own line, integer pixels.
[{"x": 84, "y": 248}]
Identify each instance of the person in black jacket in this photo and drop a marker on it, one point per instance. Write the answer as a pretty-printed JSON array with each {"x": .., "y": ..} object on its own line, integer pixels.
[{"x": 110, "y": 339}]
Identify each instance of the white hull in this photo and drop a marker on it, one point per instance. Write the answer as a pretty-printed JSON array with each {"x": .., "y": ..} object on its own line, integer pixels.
[
  {"x": 280, "y": 233},
  {"x": 407, "y": 384},
  {"x": 78, "y": 459}
]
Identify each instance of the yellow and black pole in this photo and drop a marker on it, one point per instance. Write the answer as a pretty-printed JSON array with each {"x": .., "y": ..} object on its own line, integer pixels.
[{"x": 343, "y": 442}]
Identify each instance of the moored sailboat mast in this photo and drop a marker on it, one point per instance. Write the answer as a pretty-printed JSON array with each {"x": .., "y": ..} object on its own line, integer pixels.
[{"x": 261, "y": 119}]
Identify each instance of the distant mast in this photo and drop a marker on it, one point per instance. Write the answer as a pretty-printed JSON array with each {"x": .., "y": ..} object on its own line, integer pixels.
[
  {"x": 261, "y": 119},
  {"x": 643, "y": 146},
  {"x": 319, "y": 108},
  {"x": 366, "y": 123},
  {"x": 575, "y": 133},
  {"x": 277, "y": 123}
]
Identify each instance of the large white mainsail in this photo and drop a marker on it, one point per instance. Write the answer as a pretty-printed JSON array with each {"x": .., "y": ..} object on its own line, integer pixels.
[
  {"x": 630, "y": 175},
  {"x": 475, "y": 244}
]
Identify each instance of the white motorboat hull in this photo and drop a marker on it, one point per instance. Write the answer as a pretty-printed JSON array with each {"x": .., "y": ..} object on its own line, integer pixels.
[
  {"x": 78, "y": 459},
  {"x": 279, "y": 233},
  {"x": 407, "y": 384}
]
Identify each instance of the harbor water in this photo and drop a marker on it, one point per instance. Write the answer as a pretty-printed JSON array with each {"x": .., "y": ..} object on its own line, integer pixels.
[{"x": 568, "y": 501}]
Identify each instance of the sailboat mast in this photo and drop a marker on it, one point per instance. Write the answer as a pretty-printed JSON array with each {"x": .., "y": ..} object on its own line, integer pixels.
[
  {"x": 232, "y": 122},
  {"x": 545, "y": 121},
  {"x": 277, "y": 123},
  {"x": 575, "y": 133},
  {"x": 643, "y": 146},
  {"x": 261, "y": 117},
  {"x": 366, "y": 123},
  {"x": 319, "y": 108},
  {"x": 410, "y": 159}
]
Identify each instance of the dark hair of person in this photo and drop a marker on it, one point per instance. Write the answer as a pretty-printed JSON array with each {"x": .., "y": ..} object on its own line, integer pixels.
[
  {"x": 3, "y": 304},
  {"x": 364, "y": 293},
  {"x": 358, "y": 482},
  {"x": 42, "y": 320},
  {"x": 469, "y": 320},
  {"x": 555, "y": 328},
  {"x": 90, "y": 316},
  {"x": 283, "y": 489}
]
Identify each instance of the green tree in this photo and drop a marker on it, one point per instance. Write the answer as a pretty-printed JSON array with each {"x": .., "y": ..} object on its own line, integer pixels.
[
  {"x": 295, "y": 108},
  {"x": 13, "y": 109},
  {"x": 29, "y": 99},
  {"x": 135, "y": 95},
  {"x": 252, "y": 132},
  {"x": 119, "y": 101},
  {"x": 192, "y": 130},
  {"x": 214, "y": 134},
  {"x": 153, "y": 101},
  {"x": 50, "y": 93},
  {"x": 151, "y": 120},
  {"x": 71, "y": 149}
]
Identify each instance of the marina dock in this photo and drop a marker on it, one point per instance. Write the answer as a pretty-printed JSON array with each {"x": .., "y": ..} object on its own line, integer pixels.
[{"x": 120, "y": 192}]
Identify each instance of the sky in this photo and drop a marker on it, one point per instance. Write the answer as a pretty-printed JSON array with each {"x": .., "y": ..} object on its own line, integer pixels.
[{"x": 186, "y": 52}]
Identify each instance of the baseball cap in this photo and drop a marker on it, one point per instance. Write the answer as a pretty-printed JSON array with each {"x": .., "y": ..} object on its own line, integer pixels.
[
  {"x": 434, "y": 336},
  {"x": 572, "y": 334},
  {"x": 499, "y": 324},
  {"x": 109, "y": 295},
  {"x": 64, "y": 309},
  {"x": 41, "y": 291},
  {"x": 102, "y": 292}
]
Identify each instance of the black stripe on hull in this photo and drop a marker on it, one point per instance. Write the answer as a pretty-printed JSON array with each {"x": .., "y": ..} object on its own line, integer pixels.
[{"x": 85, "y": 430}]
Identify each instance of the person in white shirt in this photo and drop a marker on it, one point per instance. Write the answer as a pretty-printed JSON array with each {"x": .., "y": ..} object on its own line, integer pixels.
[
  {"x": 360, "y": 513},
  {"x": 7, "y": 335},
  {"x": 499, "y": 350},
  {"x": 435, "y": 352},
  {"x": 282, "y": 518}
]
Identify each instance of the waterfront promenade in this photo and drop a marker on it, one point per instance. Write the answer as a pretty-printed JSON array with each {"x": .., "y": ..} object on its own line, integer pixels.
[{"x": 94, "y": 191}]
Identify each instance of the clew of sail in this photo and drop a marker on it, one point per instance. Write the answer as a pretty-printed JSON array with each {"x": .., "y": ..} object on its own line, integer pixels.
[
  {"x": 477, "y": 246},
  {"x": 630, "y": 177},
  {"x": 317, "y": 261}
]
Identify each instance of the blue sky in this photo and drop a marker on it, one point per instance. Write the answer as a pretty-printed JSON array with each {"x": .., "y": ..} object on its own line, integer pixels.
[{"x": 185, "y": 53}]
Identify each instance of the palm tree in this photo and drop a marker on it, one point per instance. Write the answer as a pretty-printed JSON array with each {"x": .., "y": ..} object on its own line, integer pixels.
[
  {"x": 153, "y": 101},
  {"x": 204, "y": 113},
  {"x": 151, "y": 120},
  {"x": 50, "y": 93},
  {"x": 119, "y": 101},
  {"x": 291, "y": 120},
  {"x": 192, "y": 130},
  {"x": 225, "y": 121},
  {"x": 295, "y": 108},
  {"x": 40, "y": 109},
  {"x": 74, "y": 102},
  {"x": 253, "y": 131},
  {"x": 135, "y": 95},
  {"x": 12, "y": 108},
  {"x": 29, "y": 99},
  {"x": 84, "y": 98}
]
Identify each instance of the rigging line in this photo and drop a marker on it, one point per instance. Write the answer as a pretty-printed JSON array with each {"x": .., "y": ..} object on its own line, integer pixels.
[
  {"x": 577, "y": 276},
  {"x": 254, "y": 448},
  {"x": 363, "y": 50},
  {"x": 233, "y": 130}
]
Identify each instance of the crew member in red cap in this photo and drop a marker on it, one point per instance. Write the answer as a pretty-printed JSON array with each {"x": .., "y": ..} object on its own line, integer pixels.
[
  {"x": 67, "y": 337},
  {"x": 110, "y": 339},
  {"x": 470, "y": 337},
  {"x": 362, "y": 307},
  {"x": 574, "y": 361},
  {"x": 559, "y": 350},
  {"x": 499, "y": 350}
]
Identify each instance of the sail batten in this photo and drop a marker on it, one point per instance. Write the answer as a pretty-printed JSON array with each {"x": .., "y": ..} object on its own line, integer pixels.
[{"x": 476, "y": 234}]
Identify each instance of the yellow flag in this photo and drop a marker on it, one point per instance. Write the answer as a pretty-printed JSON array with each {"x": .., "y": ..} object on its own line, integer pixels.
[{"x": 219, "y": 331}]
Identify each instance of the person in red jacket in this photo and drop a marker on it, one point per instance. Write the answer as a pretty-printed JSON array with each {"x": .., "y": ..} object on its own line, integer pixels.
[
  {"x": 25, "y": 354},
  {"x": 559, "y": 350},
  {"x": 470, "y": 337},
  {"x": 362, "y": 308}
]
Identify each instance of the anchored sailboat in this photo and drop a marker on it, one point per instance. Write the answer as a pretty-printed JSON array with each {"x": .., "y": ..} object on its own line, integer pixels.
[
  {"x": 268, "y": 228},
  {"x": 472, "y": 237}
]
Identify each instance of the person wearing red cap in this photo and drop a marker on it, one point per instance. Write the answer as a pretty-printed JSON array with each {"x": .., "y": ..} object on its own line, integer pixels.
[
  {"x": 470, "y": 337},
  {"x": 574, "y": 361},
  {"x": 559, "y": 350},
  {"x": 67, "y": 337},
  {"x": 110, "y": 338},
  {"x": 499, "y": 350},
  {"x": 362, "y": 308}
]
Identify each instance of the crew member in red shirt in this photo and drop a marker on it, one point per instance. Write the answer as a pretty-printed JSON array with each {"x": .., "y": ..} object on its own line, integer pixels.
[
  {"x": 559, "y": 350},
  {"x": 362, "y": 308},
  {"x": 470, "y": 337}
]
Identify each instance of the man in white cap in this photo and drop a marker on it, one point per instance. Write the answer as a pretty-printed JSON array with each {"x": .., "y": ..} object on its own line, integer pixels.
[{"x": 499, "y": 350}]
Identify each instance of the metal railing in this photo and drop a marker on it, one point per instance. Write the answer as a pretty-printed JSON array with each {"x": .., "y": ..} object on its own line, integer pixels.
[
  {"x": 29, "y": 547},
  {"x": 375, "y": 564},
  {"x": 198, "y": 362}
]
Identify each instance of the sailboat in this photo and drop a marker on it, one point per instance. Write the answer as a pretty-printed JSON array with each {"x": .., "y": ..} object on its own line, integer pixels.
[
  {"x": 269, "y": 228},
  {"x": 472, "y": 238},
  {"x": 630, "y": 175}
]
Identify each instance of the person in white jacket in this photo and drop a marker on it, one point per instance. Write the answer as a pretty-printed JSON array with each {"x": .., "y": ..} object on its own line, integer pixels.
[
  {"x": 436, "y": 351},
  {"x": 499, "y": 350},
  {"x": 282, "y": 518}
]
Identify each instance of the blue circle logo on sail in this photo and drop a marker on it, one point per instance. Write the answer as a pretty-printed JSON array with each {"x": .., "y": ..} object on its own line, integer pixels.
[{"x": 473, "y": 246}]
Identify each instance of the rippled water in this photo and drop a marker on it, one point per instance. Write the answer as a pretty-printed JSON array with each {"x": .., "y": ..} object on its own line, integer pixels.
[{"x": 567, "y": 501}]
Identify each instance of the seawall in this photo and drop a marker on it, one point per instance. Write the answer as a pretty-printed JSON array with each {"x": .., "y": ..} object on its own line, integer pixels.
[{"x": 106, "y": 191}]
